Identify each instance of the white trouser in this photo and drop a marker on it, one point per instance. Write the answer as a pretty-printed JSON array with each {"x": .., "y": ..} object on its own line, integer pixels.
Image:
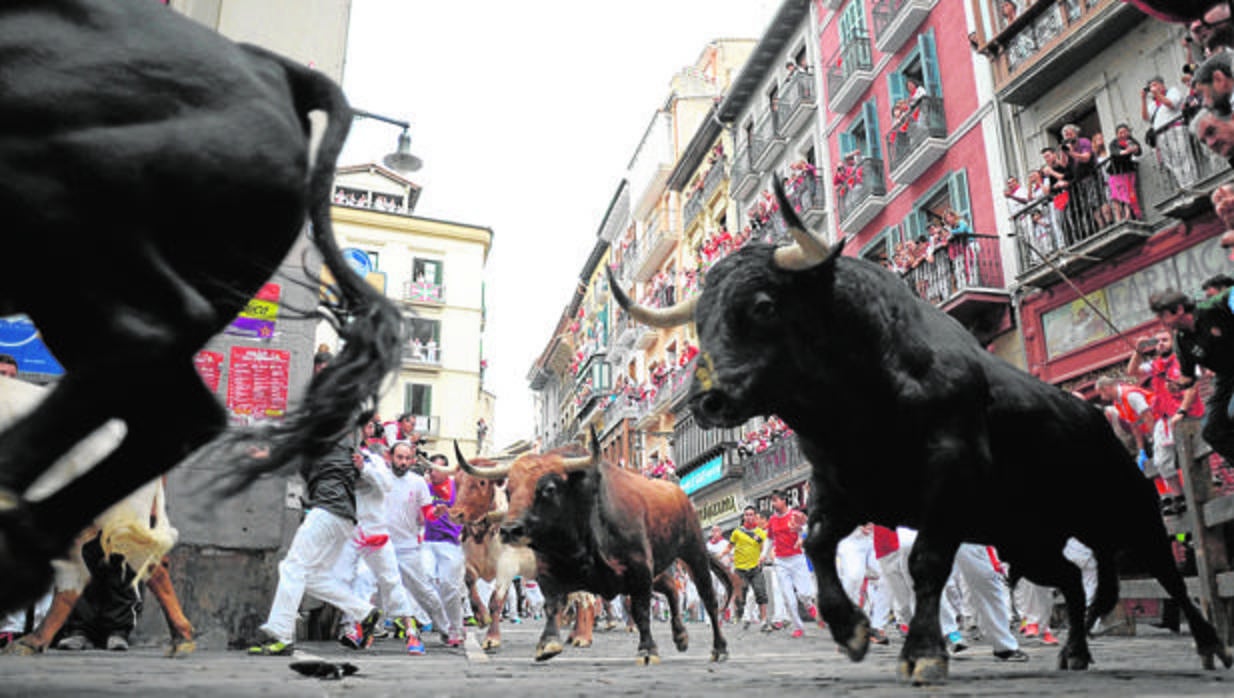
[
  {"x": 898, "y": 584},
  {"x": 852, "y": 561},
  {"x": 447, "y": 571},
  {"x": 15, "y": 622},
  {"x": 1035, "y": 603},
  {"x": 382, "y": 562},
  {"x": 1082, "y": 556},
  {"x": 988, "y": 595},
  {"x": 417, "y": 581},
  {"x": 309, "y": 569},
  {"x": 793, "y": 577}
]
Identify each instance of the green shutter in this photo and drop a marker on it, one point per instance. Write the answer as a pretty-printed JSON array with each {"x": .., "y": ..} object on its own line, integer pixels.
[
  {"x": 895, "y": 87},
  {"x": 846, "y": 145},
  {"x": 929, "y": 64},
  {"x": 870, "y": 112},
  {"x": 959, "y": 195}
]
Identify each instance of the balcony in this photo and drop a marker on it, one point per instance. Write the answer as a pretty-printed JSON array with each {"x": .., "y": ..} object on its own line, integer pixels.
[
  {"x": 629, "y": 260},
  {"x": 895, "y": 21},
  {"x": 919, "y": 142},
  {"x": 850, "y": 72},
  {"x": 781, "y": 458},
  {"x": 862, "y": 197},
  {"x": 417, "y": 355},
  {"x": 693, "y": 207},
  {"x": 965, "y": 279},
  {"x": 1182, "y": 192},
  {"x": 1086, "y": 232},
  {"x": 715, "y": 177},
  {"x": 424, "y": 292},
  {"x": 656, "y": 243},
  {"x": 767, "y": 141},
  {"x": 808, "y": 199},
  {"x": 797, "y": 103},
  {"x": 744, "y": 179},
  {"x": 675, "y": 387},
  {"x": 1042, "y": 45}
]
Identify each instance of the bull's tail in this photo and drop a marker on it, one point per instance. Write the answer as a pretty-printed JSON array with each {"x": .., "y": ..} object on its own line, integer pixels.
[
  {"x": 726, "y": 578},
  {"x": 370, "y": 328}
]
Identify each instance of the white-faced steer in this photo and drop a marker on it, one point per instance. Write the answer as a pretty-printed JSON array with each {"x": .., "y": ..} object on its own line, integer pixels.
[{"x": 907, "y": 420}]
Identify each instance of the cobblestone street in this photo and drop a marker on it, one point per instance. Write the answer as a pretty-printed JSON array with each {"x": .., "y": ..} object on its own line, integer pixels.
[{"x": 1152, "y": 663}]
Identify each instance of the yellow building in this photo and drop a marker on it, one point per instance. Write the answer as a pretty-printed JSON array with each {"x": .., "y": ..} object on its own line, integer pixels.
[{"x": 434, "y": 270}]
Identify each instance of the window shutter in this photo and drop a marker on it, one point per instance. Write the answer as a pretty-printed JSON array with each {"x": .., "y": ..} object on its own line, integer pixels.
[
  {"x": 929, "y": 64},
  {"x": 959, "y": 195},
  {"x": 896, "y": 88},
  {"x": 870, "y": 111}
]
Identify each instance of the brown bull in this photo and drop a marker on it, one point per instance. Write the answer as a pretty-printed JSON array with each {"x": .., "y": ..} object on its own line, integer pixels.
[{"x": 599, "y": 528}]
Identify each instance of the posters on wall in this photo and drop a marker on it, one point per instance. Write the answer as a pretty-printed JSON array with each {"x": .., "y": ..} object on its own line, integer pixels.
[
  {"x": 209, "y": 365},
  {"x": 257, "y": 383},
  {"x": 257, "y": 319}
]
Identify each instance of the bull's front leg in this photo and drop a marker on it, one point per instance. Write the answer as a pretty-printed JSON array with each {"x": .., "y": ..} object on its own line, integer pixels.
[
  {"x": 849, "y": 625},
  {"x": 924, "y": 657},
  {"x": 159, "y": 584},
  {"x": 550, "y": 638}
]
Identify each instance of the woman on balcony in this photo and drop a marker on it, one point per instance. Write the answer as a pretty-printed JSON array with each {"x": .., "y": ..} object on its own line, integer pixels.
[
  {"x": 1125, "y": 154},
  {"x": 963, "y": 248}
]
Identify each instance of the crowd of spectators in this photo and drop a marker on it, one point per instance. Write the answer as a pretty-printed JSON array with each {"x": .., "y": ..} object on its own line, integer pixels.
[
  {"x": 764, "y": 437},
  {"x": 379, "y": 202}
]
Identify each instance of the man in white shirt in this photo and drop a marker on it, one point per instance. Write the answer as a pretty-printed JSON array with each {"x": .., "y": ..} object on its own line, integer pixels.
[
  {"x": 405, "y": 502},
  {"x": 1162, "y": 108}
]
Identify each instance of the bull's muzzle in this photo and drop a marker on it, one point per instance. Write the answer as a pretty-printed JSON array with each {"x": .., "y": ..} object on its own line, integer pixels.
[
  {"x": 713, "y": 408},
  {"x": 513, "y": 533}
]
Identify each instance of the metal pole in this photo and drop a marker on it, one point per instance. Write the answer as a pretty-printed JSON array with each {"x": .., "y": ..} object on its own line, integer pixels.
[{"x": 360, "y": 113}]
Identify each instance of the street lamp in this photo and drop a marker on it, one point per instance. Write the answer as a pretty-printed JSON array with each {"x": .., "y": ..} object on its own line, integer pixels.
[{"x": 401, "y": 160}]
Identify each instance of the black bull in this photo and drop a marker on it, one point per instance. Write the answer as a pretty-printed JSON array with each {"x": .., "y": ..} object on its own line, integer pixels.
[
  {"x": 907, "y": 420},
  {"x": 166, "y": 170}
]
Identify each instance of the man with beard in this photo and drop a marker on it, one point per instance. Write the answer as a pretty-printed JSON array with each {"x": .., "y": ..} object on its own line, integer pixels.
[{"x": 405, "y": 502}]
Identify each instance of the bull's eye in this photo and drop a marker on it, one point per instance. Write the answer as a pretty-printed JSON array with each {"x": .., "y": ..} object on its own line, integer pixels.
[{"x": 764, "y": 308}]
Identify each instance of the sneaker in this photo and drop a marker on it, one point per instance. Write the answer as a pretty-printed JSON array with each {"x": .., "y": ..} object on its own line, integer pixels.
[
  {"x": 7, "y": 638},
  {"x": 955, "y": 642},
  {"x": 1048, "y": 638},
  {"x": 879, "y": 637},
  {"x": 426, "y": 626},
  {"x": 813, "y": 612},
  {"x": 798, "y": 632},
  {"x": 516, "y": 620},
  {"x": 1031, "y": 630},
  {"x": 903, "y": 628},
  {"x": 117, "y": 643},
  {"x": 415, "y": 646},
  {"x": 454, "y": 640},
  {"x": 75, "y": 641},
  {"x": 273, "y": 648},
  {"x": 471, "y": 622},
  {"x": 400, "y": 626},
  {"x": 1011, "y": 656},
  {"x": 767, "y": 627},
  {"x": 361, "y": 635}
]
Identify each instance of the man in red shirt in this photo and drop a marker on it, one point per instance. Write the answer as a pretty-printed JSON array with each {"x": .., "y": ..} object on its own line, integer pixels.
[{"x": 792, "y": 574}]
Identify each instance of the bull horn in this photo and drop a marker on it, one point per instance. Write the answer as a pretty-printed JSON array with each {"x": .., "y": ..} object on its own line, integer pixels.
[
  {"x": 495, "y": 473},
  {"x": 584, "y": 462},
  {"x": 663, "y": 318},
  {"x": 496, "y": 516},
  {"x": 807, "y": 251}
]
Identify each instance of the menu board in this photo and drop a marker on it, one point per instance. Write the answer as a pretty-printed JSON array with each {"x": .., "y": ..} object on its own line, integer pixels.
[{"x": 257, "y": 383}]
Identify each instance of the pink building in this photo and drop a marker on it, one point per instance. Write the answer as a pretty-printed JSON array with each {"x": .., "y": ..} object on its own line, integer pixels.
[{"x": 903, "y": 120}]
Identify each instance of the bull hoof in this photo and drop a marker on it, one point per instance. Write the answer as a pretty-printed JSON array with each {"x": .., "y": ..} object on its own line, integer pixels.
[
  {"x": 181, "y": 648},
  {"x": 682, "y": 641},
  {"x": 1208, "y": 655},
  {"x": 21, "y": 647},
  {"x": 647, "y": 658},
  {"x": 27, "y": 566},
  {"x": 859, "y": 642},
  {"x": 492, "y": 643},
  {"x": 930, "y": 671},
  {"x": 719, "y": 655},
  {"x": 580, "y": 642},
  {"x": 1073, "y": 662},
  {"x": 548, "y": 650}
]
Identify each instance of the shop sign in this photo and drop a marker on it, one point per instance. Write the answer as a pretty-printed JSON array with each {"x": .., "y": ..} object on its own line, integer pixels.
[
  {"x": 703, "y": 475},
  {"x": 716, "y": 510}
]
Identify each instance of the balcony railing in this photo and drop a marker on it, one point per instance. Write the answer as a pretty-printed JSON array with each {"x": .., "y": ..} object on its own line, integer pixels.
[
  {"x": 965, "y": 264},
  {"x": 850, "y": 71},
  {"x": 767, "y": 140},
  {"x": 896, "y": 20},
  {"x": 629, "y": 260},
  {"x": 693, "y": 207},
  {"x": 808, "y": 198},
  {"x": 781, "y": 458},
  {"x": 1184, "y": 163},
  {"x": 1088, "y": 228},
  {"x": 425, "y": 354},
  {"x": 860, "y": 195},
  {"x": 744, "y": 179},
  {"x": 918, "y": 141},
  {"x": 424, "y": 292},
  {"x": 714, "y": 177},
  {"x": 797, "y": 102},
  {"x": 675, "y": 387},
  {"x": 656, "y": 243}
]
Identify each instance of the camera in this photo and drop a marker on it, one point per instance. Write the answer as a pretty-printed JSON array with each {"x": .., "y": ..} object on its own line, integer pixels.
[{"x": 1147, "y": 347}]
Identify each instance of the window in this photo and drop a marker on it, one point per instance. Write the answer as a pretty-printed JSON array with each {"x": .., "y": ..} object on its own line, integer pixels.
[
  {"x": 920, "y": 66},
  {"x": 373, "y": 258},
  {"x": 1084, "y": 116},
  {"x": 853, "y": 23},
  {"x": 418, "y": 399},
  {"x": 951, "y": 191},
  {"x": 882, "y": 248},
  {"x": 862, "y": 134},
  {"x": 425, "y": 339},
  {"x": 426, "y": 271}
]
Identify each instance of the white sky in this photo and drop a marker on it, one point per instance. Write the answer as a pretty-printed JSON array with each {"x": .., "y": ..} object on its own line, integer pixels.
[{"x": 526, "y": 115}]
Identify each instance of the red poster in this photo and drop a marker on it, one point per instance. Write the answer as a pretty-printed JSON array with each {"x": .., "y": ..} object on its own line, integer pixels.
[
  {"x": 209, "y": 366},
  {"x": 257, "y": 383}
]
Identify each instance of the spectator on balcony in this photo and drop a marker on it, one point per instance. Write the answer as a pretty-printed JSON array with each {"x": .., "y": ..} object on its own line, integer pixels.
[
  {"x": 1007, "y": 10},
  {"x": 1215, "y": 132},
  {"x": 1122, "y": 172},
  {"x": 1165, "y": 119},
  {"x": 417, "y": 349},
  {"x": 430, "y": 350},
  {"x": 1214, "y": 30},
  {"x": 916, "y": 93},
  {"x": 1016, "y": 195},
  {"x": 963, "y": 248},
  {"x": 1214, "y": 82}
]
